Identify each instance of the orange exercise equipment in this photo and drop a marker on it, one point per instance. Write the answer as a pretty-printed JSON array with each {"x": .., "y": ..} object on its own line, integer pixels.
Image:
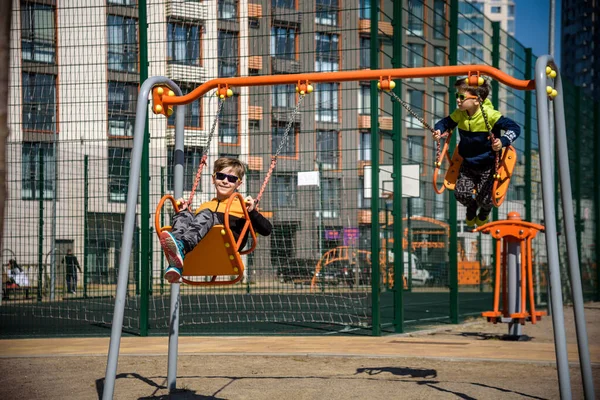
[
  {"x": 521, "y": 233},
  {"x": 218, "y": 254}
]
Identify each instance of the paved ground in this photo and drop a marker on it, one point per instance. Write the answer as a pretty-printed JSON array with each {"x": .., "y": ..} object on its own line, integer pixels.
[{"x": 468, "y": 361}]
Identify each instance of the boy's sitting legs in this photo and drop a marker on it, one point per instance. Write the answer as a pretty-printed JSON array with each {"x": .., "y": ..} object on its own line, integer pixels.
[{"x": 175, "y": 253}]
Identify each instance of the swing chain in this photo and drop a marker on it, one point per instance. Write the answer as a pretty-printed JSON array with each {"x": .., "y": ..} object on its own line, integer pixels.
[
  {"x": 286, "y": 133},
  {"x": 422, "y": 121},
  {"x": 290, "y": 122},
  {"x": 205, "y": 151},
  {"x": 491, "y": 137}
]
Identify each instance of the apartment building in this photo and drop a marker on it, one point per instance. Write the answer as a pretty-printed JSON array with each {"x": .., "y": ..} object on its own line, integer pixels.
[{"x": 75, "y": 74}]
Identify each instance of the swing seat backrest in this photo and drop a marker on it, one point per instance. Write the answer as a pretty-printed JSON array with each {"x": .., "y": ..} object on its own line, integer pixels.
[{"x": 218, "y": 253}]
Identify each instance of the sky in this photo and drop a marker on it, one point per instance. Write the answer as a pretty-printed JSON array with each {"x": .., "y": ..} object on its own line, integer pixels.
[{"x": 531, "y": 26}]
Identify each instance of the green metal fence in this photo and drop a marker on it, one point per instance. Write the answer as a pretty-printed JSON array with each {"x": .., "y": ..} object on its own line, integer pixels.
[{"x": 74, "y": 81}]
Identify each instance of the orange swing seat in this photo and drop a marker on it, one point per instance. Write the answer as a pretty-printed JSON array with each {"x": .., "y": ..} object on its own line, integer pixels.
[
  {"x": 218, "y": 253},
  {"x": 508, "y": 160}
]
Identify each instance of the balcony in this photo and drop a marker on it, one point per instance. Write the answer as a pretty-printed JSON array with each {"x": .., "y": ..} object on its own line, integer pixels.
[
  {"x": 187, "y": 10},
  {"x": 255, "y": 163},
  {"x": 255, "y": 63},
  {"x": 195, "y": 138},
  {"x": 385, "y": 28},
  {"x": 283, "y": 66},
  {"x": 186, "y": 73},
  {"x": 254, "y": 10},
  {"x": 255, "y": 113},
  {"x": 364, "y": 122}
]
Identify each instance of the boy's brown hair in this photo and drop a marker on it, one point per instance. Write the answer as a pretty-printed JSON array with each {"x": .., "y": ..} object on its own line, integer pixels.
[
  {"x": 481, "y": 91},
  {"x": 224, "y": 162}
]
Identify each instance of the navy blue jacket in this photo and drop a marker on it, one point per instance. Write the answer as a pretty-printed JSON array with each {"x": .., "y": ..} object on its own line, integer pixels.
[{"x": 475, "y": 147}]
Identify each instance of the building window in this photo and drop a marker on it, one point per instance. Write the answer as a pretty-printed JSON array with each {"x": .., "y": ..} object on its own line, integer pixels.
[
  {"x": 438, "y": 106},
  {"x": 415, "y": 17},
  {"x": 365, "y": 146},
  {"x": 364, "y": 100},
  {"x": 414, "y": 57},
  {"x": 327, "y": 102},
  {"x": 290, "y": 4},
  {"x": 277, "y": 135},
  {"x": 365, "y": 52},
  {"x": 228, "y": 54},
  {"x": 327, "y": 12},
  {"x": 283, "y": 42},
  {"x": 283, "y": 191},
  {"x": 327, "y": 56},
  {"x": 363, "y": 202},
  {"x": 418, "y": 203},
  {"x": 191, "y": 161},
  {"x": 284, "y": 96},
  {"x": 122, "y": 101},
  {"x": 122, "y": 43},
  {"x": 39, "y": 102},
  {"x": 439, "y": 208},
  {"x": 415, "y": 99},
  {"x": 330, "y": 188},
  {"x": 193, "y": 111},
  {"x": 415, "y": 149},
  {"x": 123, "y": 2},
  {"x": 227, "y": 9},
  {"x": 439, "y": 58},
  {"x": 364, "y": 10},
  {"x": 183, "y": 44},
  {"x": 38, "y": 36},
  {"x": 33, "y": 156},
  {"x": 119, "y": 160},
  {"x": 439, "y": 19},
  {"x": 328, "y": 149},
  {"x": 496, "y": 10},
  {"x": 228, "y": 125}
]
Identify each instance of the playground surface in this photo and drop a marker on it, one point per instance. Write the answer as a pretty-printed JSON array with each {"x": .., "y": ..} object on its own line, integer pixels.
[{"x": 467, "y": 361}]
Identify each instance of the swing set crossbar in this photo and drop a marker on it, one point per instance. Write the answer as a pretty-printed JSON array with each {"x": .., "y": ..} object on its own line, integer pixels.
[{"x": 345, "y": 76}]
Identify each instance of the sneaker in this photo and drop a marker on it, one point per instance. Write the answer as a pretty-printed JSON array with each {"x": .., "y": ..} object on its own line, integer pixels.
[
  {"x": 482, "y": 218},
  {"x": 173, "y": 274},
  {"x": 470, "y": 220},
  {"x": 173, "y": 250}
]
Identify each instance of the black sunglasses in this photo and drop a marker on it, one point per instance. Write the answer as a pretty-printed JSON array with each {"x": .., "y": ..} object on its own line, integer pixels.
[
  {"x": 231, "y": 178},
  {"x": 463, "y": 96}
]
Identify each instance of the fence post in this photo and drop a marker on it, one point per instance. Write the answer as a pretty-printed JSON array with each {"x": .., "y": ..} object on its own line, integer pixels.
[
  {"x": 85, "y": 223},
  {"x": 577, "y": 167},
  {"x": 397, "y": 211},
  {"x": 375, "y": 244},
  {"x": 527, "y": 136},
  {"x": 40, "y": 187},
  {"x": 597, "y": 196},
  {"x": 495, "y": 85},
  {"x": 144, "y": 250},
  {"x": 452, "y": 214}
]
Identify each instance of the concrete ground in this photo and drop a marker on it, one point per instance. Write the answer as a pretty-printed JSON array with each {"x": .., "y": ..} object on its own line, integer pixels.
[{"x": 467, "y": 361}]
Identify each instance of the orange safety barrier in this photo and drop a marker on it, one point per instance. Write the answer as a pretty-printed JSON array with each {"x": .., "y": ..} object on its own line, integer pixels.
[
  {"x": 513, "y": 230},
  {"x": 218, "y": 254}
]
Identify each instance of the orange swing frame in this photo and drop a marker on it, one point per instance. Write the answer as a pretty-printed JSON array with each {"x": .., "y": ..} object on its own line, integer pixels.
[{"x": 218, "y": 253}]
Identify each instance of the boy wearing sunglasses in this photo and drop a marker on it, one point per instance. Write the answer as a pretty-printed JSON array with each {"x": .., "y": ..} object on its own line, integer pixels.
[
  {"x": 475, "y": 178},
  {"x": 189, "y": 227}
]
